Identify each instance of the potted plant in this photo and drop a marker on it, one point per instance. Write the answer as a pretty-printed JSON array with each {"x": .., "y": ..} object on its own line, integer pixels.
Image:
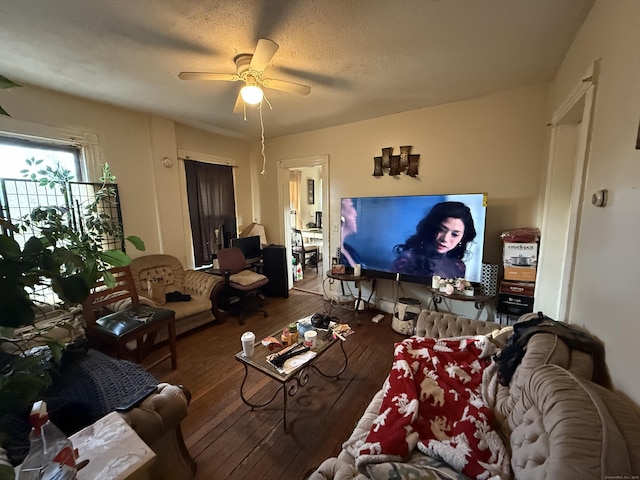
[{"x": 63, "y": 252}]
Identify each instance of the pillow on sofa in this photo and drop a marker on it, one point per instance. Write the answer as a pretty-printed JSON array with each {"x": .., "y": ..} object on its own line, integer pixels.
[{"x": 419, "y": 466}]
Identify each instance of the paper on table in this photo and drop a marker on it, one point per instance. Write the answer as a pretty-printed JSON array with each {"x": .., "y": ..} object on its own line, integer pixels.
[{"x": 292, "y": 363}]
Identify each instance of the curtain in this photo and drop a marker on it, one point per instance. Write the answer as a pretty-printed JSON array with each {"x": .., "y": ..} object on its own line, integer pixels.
[
  {"x": 295, "y": 177},
  {"x": 211, "y": 207}
]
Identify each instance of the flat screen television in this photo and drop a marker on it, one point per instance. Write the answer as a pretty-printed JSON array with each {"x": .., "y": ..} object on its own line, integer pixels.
[{"x": 411, "y": 238}]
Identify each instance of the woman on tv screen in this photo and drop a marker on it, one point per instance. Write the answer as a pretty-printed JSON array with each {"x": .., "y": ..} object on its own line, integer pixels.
[
  {"x": 439, "y": 244},
  {"x": 411, "y": 238}
]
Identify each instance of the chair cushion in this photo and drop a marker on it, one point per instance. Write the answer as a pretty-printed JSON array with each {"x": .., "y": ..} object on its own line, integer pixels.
[
  {"x": 124, "y": 322},
  {"x": 246, "y": 278}
]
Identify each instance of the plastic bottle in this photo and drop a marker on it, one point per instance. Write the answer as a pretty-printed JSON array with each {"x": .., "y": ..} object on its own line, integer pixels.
[{"x": 51, "y": 455}]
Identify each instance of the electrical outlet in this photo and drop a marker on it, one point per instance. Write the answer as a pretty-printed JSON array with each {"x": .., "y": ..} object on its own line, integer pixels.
[{"x": 335, "y": 227}]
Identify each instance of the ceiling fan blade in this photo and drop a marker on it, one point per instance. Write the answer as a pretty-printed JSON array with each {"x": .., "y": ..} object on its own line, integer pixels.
[
  {"x": 285, "y": 86},
  {"x": 265, "y": 50},
  {"x": 239, "y": 106},
  {"x": 227, "y": 77}
]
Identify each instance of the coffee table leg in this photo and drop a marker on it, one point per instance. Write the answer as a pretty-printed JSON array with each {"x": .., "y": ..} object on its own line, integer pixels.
[
  {"x": 284, "y": 408},
  {"x": 344, "y": 365},
  {"x": 257, "y": 405}
]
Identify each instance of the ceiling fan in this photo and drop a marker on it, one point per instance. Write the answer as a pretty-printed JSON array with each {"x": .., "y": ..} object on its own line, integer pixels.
[{"x": 250, "y": 69}]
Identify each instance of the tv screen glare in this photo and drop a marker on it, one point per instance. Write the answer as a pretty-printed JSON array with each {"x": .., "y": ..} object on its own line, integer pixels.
[{"x": 411, "y": 238}]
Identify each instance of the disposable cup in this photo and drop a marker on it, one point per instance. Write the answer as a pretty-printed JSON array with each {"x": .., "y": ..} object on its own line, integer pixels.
[
  {"x": 310, "y": 337},
  {"x": 248, "y": 340}
]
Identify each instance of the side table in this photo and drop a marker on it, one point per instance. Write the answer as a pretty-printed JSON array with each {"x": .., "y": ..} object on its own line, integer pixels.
[
  {"x": 350, "y": 277},
  {"x": 481, "y": 301},
  {"x": 113, "y": 449}
]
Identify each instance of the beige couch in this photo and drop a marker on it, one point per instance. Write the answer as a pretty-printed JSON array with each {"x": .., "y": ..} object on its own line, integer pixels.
[
  {"x": 203, "y": 288},
  {"x": 555, "y": 420},
  {"x": 157, "y": 422}
]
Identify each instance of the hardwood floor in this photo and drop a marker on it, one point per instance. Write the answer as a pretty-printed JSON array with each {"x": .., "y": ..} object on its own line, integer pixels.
[
  {"x": 311, "y": 280},
  {"x": 228, "y": 440}
]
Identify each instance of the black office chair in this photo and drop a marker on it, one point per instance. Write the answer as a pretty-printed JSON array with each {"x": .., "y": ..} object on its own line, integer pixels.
[
  {"x": 301, "y": 252},
  {"x": 242, "y": 294}
]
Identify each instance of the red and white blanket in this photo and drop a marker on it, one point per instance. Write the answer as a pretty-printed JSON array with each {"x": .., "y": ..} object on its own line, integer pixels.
[{"x": 432, "y": 400}]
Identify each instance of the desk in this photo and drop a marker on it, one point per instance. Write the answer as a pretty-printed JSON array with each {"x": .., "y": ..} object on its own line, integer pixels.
[
  {"x": 312, "y": 233},
  {"x": 349, "y": 277},
  {"x": 481, "y": 301}
]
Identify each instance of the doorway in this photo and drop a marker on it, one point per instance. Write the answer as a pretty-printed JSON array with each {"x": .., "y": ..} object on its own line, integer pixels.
[
  {"x": 305, "y": 207},
  {"x": 567, "y": 166}
]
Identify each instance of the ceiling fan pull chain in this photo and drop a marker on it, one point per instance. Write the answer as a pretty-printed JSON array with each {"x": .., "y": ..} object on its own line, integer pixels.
[{"x": 264, "y": 158}]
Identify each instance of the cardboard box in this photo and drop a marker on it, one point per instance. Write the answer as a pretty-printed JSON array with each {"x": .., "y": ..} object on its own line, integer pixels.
[
  {"x": 520, "y": 274},
  {"x": 520, "y": 254},
  {"x": 514, "y": 304},
  {"x": 518, "y": 288}
]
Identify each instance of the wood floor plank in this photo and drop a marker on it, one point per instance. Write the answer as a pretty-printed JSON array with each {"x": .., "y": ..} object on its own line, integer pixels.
[{"x": 229, "y": 440}]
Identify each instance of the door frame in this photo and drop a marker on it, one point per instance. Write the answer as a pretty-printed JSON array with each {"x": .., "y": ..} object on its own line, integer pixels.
[
  {"x": 284, "y": 219},
  {"x": 582, "y": 96}
]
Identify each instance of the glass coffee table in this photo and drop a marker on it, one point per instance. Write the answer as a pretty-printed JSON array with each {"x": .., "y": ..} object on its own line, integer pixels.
[{"x": 294, "y": 379}]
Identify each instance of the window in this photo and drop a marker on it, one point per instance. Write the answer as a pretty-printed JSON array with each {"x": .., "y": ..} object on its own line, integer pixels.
[
  {"x": 14, "y": 152},
  {"x": 212, "y": 209},
  {"x": 19, "y": 196}
]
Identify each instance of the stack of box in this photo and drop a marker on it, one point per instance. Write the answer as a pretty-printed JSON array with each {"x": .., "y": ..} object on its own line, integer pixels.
[{"x": 517, "y": 289}]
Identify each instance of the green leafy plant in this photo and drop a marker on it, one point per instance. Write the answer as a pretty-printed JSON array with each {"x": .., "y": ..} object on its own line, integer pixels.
[
  {"x": 6, "y": 83},
  {"x": 77, "y": 243},
  {"x": 65, "y": 251}
]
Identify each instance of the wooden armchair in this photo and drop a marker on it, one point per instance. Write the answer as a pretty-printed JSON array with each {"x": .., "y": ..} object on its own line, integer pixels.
[{"x": 112, "y": 331}]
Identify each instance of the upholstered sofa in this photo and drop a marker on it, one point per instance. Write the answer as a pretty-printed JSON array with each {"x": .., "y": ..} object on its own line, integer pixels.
[
  {"x": 203, "y": 289},
  {"x": 558, "y": 417}
]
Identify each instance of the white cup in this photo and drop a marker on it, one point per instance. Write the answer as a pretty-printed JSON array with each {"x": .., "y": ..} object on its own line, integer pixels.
[
  {"x": 310, "y": 337},
  {"x": 356, "y": 270},
  {"x": 435, "y": 281},
  {"x": 248, "y": 340}
]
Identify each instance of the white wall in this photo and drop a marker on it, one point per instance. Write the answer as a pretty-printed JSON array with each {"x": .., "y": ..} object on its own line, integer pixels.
[
  {"x": 606, "y": 280},
  {"x": 492, "y": 144}
]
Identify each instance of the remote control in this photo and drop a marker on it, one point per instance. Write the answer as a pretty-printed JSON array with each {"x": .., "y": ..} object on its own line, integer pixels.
[{"x": 377, "y": 318}]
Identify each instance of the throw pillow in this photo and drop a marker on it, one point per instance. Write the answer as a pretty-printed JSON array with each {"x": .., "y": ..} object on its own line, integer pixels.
[{"x": 156, "y": 290}]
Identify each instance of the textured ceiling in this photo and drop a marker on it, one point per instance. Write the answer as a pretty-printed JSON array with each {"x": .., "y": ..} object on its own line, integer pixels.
[{"x": 362, "y": 58}]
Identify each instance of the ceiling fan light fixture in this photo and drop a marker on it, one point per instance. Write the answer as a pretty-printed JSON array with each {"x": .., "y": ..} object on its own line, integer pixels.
[{"x": 251, "y": 94}]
